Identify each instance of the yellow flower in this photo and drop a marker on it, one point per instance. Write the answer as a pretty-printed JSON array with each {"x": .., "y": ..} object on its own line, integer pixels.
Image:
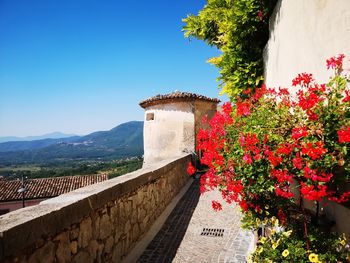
[
  {"x": 259, "y": 250},
  {"x": 257, "y": 220},
  {"x": 285, "y": 253},
  {"x": 287, "y": 233},
  {"x": 313, "y": 257},
  {"x": 264, "y": 222},
  {"x": 343, "y": 242},
  {"x": 275, "y": 245},
  {"x": 262, "y": 240}
]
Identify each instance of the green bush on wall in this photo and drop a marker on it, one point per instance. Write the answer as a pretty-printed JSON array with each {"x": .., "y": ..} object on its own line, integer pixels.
[{"x": 239, "y": 28}]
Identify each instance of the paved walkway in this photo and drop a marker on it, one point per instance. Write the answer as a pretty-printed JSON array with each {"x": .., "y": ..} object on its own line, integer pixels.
[{"x": 194, "y": 232}]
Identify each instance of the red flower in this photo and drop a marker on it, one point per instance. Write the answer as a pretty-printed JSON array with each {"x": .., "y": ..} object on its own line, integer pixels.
[
  {"x": 312, "y": 193},
  {"x": 344, "y": 135},
  {"x": 298, "y": 133},
  {"x": 243, "y": 108},
  {"x": 243, "y": 204},
  {"x": 248, "y": 159},
  {"x": 242, "y": 140},
  {"x": 190, "y": 169},
  {"x": 312, "y": 116},
  {"x": 282, "y": 176},
  {"x": 303, "y": 79},
  {"x": 313, "y": 152},
  {"x": 307, "y": 102},
  {"x": 216, "y": 205},
  {"x": 227, "y": 108},
  {"x": 298, "y": 162},
  {"x": 283, "y": 192},
  {"x": 285, "y": 148},
  {"x": 283, "y": 91},
  {"x": 260, "y": 15},
  {"x": 274, "y": 160},
  {"x": 343, "y": 198},
  {"x": 335, "y": 62},
  {"x": 347, "y": 96},
  {"x": 259, "y": 92}
]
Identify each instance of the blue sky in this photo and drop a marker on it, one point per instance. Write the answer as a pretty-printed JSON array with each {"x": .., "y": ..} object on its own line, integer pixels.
[{"x": 79, "y": 66}]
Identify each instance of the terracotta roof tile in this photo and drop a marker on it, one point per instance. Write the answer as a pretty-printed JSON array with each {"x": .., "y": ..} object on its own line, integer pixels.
[
  {"x": 175, "y": 95},
  {"x": 46, "y": 187}
]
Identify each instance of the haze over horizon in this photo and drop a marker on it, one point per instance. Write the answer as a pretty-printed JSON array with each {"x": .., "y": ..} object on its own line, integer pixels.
[{"x": 82, "y": 66}]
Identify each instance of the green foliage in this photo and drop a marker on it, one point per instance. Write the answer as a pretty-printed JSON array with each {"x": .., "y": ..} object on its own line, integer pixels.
[
  {"x": 289, "y": 246},
  {"x": 112, "y": 168},
  {"x": 239, "y": 28}
]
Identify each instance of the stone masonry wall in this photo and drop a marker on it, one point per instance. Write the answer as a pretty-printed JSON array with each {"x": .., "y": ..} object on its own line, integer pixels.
[{"x": 98, "y": 223}]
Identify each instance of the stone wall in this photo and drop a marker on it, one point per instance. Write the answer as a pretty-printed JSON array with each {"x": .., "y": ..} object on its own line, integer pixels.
[{"x": 98, "y": 223}]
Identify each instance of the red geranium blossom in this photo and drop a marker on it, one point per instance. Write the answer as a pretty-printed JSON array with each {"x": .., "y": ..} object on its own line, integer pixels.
[
  {"x": 335, "y": 62},
  {"x": 298, "y": 133},
  {"x": 243, "y": 108},
  {"x": 190, "y": 169},
  {"x": 344, "y": 135},
  {"x": 302, "y": 79},
  {"x": 347, "y": 96},
  {"x": 216, "y": 205}
]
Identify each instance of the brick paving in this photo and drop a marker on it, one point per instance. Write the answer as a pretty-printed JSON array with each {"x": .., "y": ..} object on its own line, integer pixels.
[{"x": 180, "y": 239}]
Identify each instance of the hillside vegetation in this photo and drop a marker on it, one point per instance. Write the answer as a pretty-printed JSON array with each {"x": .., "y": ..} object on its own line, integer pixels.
[{"x": 123, "y": 141}]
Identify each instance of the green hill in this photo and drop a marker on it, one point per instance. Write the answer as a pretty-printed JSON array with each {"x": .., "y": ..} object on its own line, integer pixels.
[{"x": 123, "y": 141}]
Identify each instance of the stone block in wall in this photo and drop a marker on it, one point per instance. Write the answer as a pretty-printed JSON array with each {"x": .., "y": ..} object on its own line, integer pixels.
[
  {"x": 114, "y": 214},
  {"x": 85, "y": 233},
  {"x": 115, "y": 254},
  {"x": 135, "y": 232},
  {"x": 105, "y": 227},
  {"x": 44, "y": 254},
  {"x": 82, "y": 257},
  {"x": 63, "y": 251},
  {"x": 74, "y": 247},
  {"x": 141, "y": 214},
  {"x": 95, "y": 226},
  {"x": 93, "y": 249},
  {"x": 74, "y": 232},
  {"x": 108, "y": 245}
]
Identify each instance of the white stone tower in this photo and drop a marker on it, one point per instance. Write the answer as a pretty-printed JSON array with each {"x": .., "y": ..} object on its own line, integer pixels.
[{"x": 171, "y": 123}]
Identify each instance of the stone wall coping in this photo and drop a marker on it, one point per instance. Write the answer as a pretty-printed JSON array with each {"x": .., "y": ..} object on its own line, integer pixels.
[{"x": 24, "y": 227}]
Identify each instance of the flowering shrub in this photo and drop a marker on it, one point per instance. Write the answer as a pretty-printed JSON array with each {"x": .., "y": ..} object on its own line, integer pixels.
[
  {"x": 287, "y": 246},
  {"x": 273, "y": 144}
]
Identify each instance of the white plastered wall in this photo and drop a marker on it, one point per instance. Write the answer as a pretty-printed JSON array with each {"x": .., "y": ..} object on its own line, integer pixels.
[
  {"x": 303, "y": 34},
  {"x": 170, "y": 133}
]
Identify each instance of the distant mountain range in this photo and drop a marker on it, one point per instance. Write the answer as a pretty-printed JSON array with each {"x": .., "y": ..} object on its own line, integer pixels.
[
  {"x": 123, "y": 141},
  {"x": 53, "y": 135}
]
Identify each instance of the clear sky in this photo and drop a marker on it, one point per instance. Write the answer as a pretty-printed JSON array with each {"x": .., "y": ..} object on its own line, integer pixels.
[{"x": 79, "y": 66}]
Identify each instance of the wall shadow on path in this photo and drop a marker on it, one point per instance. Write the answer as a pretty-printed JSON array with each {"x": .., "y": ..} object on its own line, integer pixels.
[{"x": 164, "y": 246}]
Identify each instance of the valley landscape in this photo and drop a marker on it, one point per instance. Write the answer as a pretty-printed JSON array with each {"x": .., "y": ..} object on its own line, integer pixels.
[{"x": 115, "y": 152}]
